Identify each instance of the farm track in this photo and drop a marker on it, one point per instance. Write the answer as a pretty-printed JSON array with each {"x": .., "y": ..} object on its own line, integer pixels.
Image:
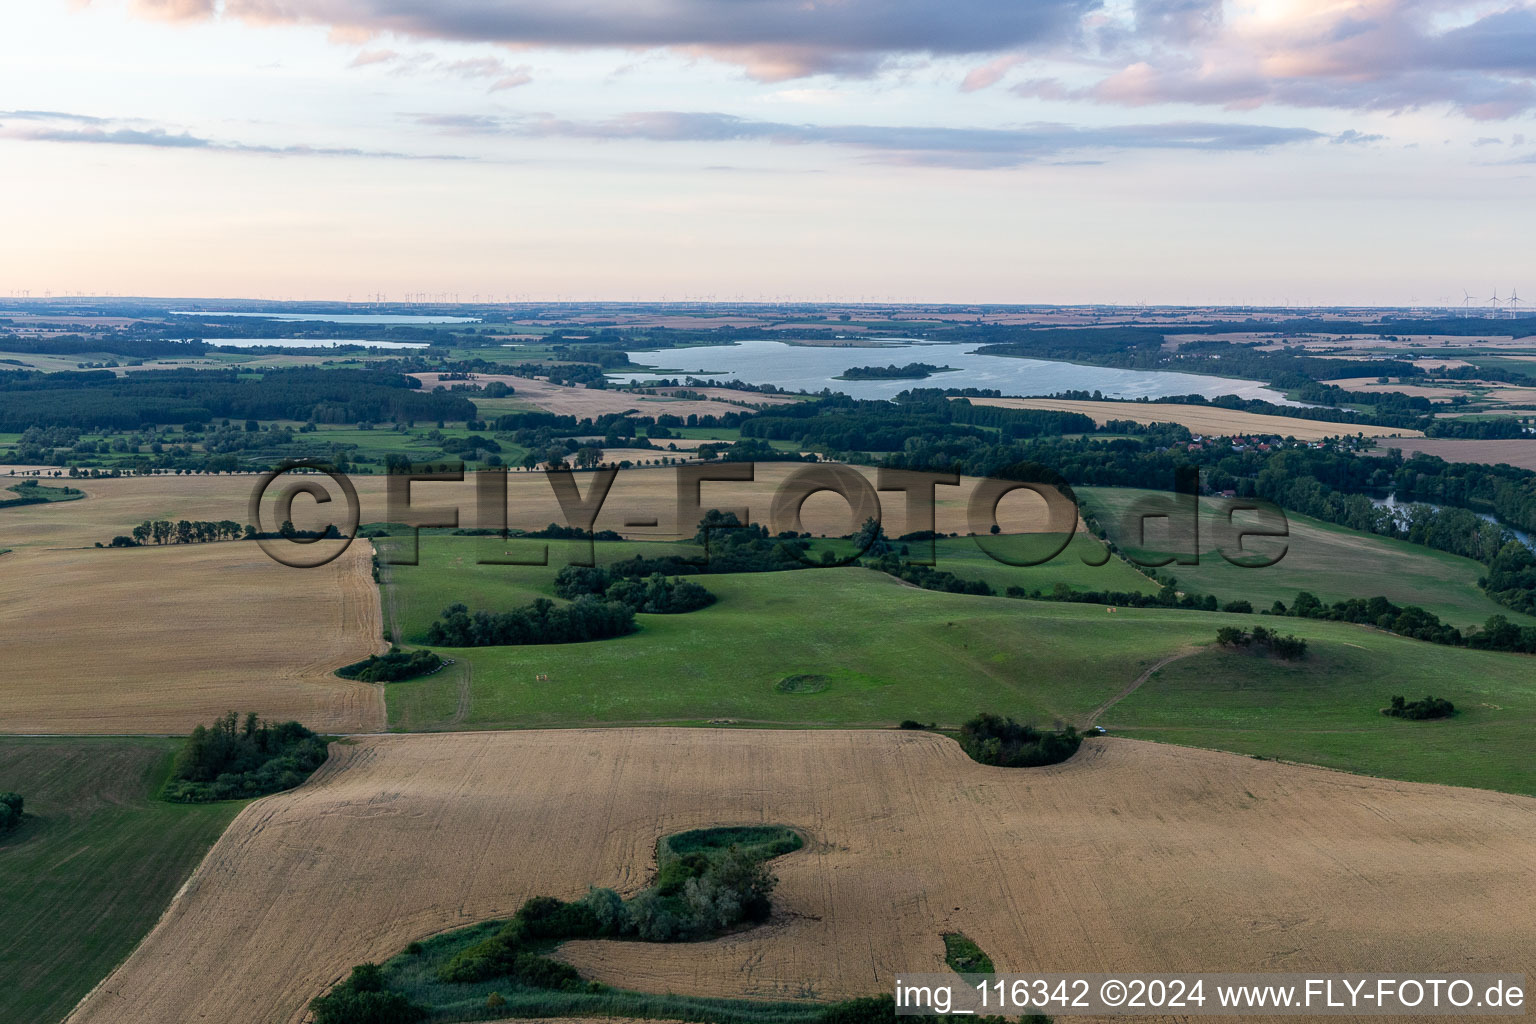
[
  {"x": 1112, "y": 861},
  {"x": 1134, "y": 685}
]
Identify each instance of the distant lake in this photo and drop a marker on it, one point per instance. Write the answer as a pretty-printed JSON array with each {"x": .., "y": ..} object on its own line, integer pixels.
[
  {"x": 812, "y": 368},
  {"x": 400, "y": 319},
  {"x": 1399, "y": 510},
  {"x": 309, "y": 343}
]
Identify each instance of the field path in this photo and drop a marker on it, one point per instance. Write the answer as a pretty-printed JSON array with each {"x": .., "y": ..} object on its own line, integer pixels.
[
  {"x": 1134, "y": 685},
  {"x": 1132, "y": 856}
]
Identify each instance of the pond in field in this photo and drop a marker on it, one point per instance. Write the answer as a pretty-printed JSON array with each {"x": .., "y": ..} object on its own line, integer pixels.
[{"x": 812, "y": 368}]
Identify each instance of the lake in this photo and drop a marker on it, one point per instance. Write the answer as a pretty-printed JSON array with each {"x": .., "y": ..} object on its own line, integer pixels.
[
  {"x": 1400, "y": 513},
  {"x": 386, "y": 319},
  {"x": 812, "y": 368}
]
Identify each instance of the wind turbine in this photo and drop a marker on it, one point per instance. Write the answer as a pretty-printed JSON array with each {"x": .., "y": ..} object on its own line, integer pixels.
[
  {"x": 1494, "y": 302},
  {"x": 1466, "y": 302},
  {"x": 1514, "y": 303}
]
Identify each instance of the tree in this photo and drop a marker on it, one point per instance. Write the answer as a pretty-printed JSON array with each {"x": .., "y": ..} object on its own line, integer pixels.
[{"x": 588, "y": 457}]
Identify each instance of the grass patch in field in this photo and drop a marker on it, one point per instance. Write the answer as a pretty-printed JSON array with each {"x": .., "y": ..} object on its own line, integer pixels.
[
  {"x": 804, "y": 683},
  {"x": 93, "y": 865},
  {"x": 964, "y": 956}
]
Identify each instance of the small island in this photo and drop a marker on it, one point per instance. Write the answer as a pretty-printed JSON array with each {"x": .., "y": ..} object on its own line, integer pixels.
[{"x": 912, "y": 371}]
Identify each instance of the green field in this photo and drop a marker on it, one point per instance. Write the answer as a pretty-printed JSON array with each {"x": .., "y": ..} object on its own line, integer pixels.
[
  {"x": 1326, "y": 709},
  {"x": 1330, "y": 561},
  {"x": 888, "y": 651},
  {"x": 91, "y": 868}
]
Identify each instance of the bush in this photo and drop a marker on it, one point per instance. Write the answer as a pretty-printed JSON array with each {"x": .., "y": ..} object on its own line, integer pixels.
[
  {"x": 1420, "y": 710},
  {"x": 10, "y": 811},
  {"x": 235, "y": 759},
  {"x": 392, "y": 667},
  {"x": 363, "y": 999},
  {"x": 1287, "y": 648},
  {"x": 1007, "y": 744}
]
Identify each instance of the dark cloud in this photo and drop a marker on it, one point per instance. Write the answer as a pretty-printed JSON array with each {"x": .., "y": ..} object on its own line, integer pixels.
[
  {"x": 773, "y": 39},
  {"x": 925, "y": 145}
]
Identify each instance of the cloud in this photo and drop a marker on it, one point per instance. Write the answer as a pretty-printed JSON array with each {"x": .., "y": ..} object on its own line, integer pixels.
[
  {"x": 1353, "y": 138},
  {"x": 45, "y": 126},
  {"x": 500, "y": 74},
  {"x": 1388, "y": 55},
  {"x": 982, "y": 148},
  {"x": 989, "y": 74},
  {"x": 772, "y": 39}
]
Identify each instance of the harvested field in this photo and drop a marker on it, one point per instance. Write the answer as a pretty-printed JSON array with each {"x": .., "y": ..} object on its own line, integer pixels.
[
  {"x": 1513, "y": 451},
  {"x": 1130, "y": 857},
  {"x": 1202, "y": 419},
  {"x": 114, "y": 507},
  {"x": 1369, "y": 386},
  {"x": 591, "y": 402},
  {"x": 158, "y": 640}
]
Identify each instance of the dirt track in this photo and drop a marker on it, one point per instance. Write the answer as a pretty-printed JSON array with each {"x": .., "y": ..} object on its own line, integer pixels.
[{"x": 1131, "y": 857}]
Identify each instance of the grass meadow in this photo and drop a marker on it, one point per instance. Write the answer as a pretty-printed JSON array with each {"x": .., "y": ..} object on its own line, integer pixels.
[
  {"x": 1330, "y": 561},
  {"x": 92, "y": 866},
  {"x": 889, "y": 651}
]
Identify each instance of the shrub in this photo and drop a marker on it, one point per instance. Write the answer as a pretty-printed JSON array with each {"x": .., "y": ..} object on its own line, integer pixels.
[
  {"x": 392, "y": 667},
  {"x": 1007, "y": 744},
  {"x": 1420, "y": 710},
  {"x": 10, "y": 811},
  {"x": 363, "y": 999}
]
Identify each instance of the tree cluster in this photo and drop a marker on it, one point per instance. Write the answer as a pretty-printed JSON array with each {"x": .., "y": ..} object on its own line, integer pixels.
[
  {"x": 542, "y": 622},
  {"x": 655, "y": 594},
  {"x": 994, "y": 740},
  {"x": 1286, "y": 648},
  {"x": 236, "y": 758}
]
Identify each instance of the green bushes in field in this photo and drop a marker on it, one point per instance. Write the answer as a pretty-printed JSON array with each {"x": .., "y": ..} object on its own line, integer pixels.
[
  {"x": 10, "y": 811},
  {"x": 1286, "y": 648},
  {"x": 542, "y": 622},
  {"x": 392, "y": 667},
  {"x": 1007, "y": 744},
  {"x": 1420, "y": 710},
  {"x": 652, "y": 595},
  {"x": 236, "y": 758},
  {"x": 708, "y": 882},
  {"x": 364, "y": 999}
]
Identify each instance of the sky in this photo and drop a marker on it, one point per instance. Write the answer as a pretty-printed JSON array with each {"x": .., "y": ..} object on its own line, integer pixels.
[{"x": 1301, "y": 152}]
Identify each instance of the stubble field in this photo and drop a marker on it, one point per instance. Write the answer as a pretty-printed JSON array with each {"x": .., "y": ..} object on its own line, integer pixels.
[
  {"x": 1202, "y": 419},
  {"x": 151, "y": 640},
  {"x": 1130, "y": 857}
]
